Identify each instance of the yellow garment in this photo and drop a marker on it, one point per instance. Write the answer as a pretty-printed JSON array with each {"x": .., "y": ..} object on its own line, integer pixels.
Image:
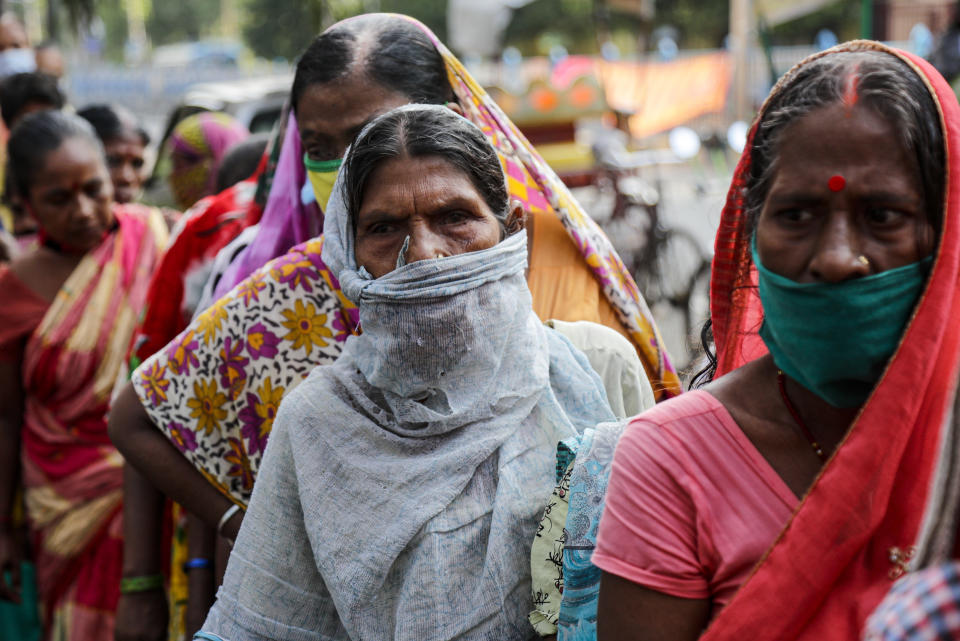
[
  {"x": 178, "y": 593},
  {"x": 322, "y": 175},
  {"x": 562, "y": 284},
  {"x": 6, "y": 216}
]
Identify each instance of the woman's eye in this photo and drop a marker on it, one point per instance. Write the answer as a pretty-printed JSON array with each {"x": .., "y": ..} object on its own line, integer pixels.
[
  {"x": 58, "y": 198},
  {"x": 884, "y": 217},
  {"x": 93, "y": 189},
  {"x": 795, "y": 216},
  {"x": 380, "y": 228},
  {"x": 456, "y": 217}
]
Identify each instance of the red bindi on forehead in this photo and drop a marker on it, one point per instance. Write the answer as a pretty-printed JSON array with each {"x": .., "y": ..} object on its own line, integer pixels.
[{"x": 836, "y": 183}]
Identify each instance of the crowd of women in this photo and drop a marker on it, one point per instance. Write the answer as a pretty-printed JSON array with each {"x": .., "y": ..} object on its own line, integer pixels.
[{"x": 384, "y": 378}]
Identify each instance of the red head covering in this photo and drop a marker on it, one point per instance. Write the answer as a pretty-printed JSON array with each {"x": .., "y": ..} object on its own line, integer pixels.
[{"x": 854, "y": 531}]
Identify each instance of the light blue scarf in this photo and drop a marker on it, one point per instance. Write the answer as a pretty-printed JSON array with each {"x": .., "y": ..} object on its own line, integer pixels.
[{"x": 424, "y": 454}]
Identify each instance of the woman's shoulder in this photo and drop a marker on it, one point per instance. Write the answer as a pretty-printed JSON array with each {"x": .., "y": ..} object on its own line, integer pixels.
[
  {"x": 689, "y": 407},
  {"x": 142, "y": 221},
  {"x": 136, "y": 211},
  {"x": 615, "y": 360},
  {"x": 22, "y": 308},
  {"x": 22, "y": 278},
  {"x": 588, "y": 336},
  {"x": 688, "y": 426}
]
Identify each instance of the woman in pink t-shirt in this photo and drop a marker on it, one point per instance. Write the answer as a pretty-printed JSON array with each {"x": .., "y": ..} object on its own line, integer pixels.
[{"x": 831, "y": 403}]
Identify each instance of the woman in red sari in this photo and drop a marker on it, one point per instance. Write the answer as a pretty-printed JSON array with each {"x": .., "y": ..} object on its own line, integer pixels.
[
  {"x": 67, "y": 313},
  {"x": 783, "y": 499}
]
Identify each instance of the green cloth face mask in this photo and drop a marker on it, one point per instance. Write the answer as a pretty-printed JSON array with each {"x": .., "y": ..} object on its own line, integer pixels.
[
  {"x": 836, "y": 338},
  {"x": 322, "y": 175}
]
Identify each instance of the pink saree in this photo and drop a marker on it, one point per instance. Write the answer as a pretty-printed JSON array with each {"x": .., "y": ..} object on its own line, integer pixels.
[{"x": 72, "y": 474}]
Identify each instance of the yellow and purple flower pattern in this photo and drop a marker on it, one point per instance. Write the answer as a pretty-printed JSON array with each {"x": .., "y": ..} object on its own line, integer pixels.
[{"x": 215, "y": 390}]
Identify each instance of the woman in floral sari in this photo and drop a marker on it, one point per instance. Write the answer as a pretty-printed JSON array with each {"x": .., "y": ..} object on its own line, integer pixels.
[
  {"x": 782, "y": 500},
  {"x": 68, "y": 313},
  {"x": 214, "y": 391}
]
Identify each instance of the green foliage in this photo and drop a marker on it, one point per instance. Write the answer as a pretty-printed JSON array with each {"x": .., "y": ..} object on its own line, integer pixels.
[
  {"x": 432, "y": 13},
  {"x": 114, "y": 18},
  {"x": 703, "y": 24},
  {"x": 79, "y": 12},
  {"x": 535, "y": 27},
  {"x": 843, "y": 18},
  {"x": 281, "y": 28},
  {"x": 284, "y": 28},
  {"x": 178, "y": 21}
]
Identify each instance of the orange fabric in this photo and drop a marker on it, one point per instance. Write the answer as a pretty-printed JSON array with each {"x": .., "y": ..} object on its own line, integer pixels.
[
  {"x": 562, "y": 285},
  {"x": 832, "y": 564},
  {"x": 662, "y": 95}
]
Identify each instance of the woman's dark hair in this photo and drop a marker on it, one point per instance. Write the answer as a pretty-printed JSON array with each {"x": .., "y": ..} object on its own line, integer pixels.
[
  {"x": 871, "y": 78},
  {"x": 241, "y": 161},
  {"x": 390, "y": 50},
  {"x": 874, "y": 79},
  {"x": 36, "y": 136},
  {"x": 112, "y": 122},
  {"x": 21, "y": 90},
  {"x": 409, "y": 132}
]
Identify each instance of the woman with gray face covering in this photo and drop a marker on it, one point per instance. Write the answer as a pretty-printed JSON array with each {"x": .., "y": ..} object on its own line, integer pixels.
[{"x": 403, "y": 483}]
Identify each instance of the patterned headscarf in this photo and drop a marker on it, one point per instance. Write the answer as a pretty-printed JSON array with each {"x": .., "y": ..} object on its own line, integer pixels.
[
  {"x": 530, "y": 180},
  {"x": 202, "y": 140}
]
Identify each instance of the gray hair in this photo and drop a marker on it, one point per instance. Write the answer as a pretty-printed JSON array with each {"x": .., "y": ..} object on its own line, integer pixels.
[
  {"x": 880, "y": 81},
  {"x": 415, "y": 131}
]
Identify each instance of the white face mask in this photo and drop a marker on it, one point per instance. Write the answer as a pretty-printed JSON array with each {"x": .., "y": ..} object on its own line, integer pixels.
[{"x": 14, "y": 61}]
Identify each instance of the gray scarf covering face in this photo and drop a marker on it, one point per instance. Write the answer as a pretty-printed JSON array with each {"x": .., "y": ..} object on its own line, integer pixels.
[{"x": 424, "y": 454}]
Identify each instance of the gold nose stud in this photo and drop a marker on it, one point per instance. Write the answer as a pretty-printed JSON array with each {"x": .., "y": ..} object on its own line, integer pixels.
[{"x": 864, "y": 260}]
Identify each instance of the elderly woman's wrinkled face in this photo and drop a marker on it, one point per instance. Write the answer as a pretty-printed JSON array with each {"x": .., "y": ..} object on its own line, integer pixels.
[
  {"x": 427, "y": 199},
  {"x": 845, "y": 200}
]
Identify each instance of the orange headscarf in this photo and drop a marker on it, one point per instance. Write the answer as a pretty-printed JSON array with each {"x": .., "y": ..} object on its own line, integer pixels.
[{"x": 856, "y": 529}]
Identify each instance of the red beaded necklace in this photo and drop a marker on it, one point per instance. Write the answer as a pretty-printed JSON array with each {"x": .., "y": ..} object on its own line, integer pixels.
[{"x": 796, "y": 417}]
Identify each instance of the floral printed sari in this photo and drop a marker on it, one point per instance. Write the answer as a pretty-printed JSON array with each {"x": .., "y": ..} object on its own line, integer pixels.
[
  {"x": 214, "y": 390},
  {"x": 72, "y": 474}
]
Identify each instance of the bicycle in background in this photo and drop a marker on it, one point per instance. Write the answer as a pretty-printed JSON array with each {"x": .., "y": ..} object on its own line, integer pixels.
[{"x": 670, "y": 264}]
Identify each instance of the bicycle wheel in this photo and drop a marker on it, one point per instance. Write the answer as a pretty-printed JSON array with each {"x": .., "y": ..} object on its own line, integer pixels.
[{"x": 670, "y": 266}]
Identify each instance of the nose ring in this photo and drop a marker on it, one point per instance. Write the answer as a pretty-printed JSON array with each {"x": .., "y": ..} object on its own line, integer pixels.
[{"x": 863, "y": 260}]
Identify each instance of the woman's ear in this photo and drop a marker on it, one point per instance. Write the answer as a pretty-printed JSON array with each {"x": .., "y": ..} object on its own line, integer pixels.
[
  {"x": 454, "y": 106},
  {"x": 517, "y": 219}
]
